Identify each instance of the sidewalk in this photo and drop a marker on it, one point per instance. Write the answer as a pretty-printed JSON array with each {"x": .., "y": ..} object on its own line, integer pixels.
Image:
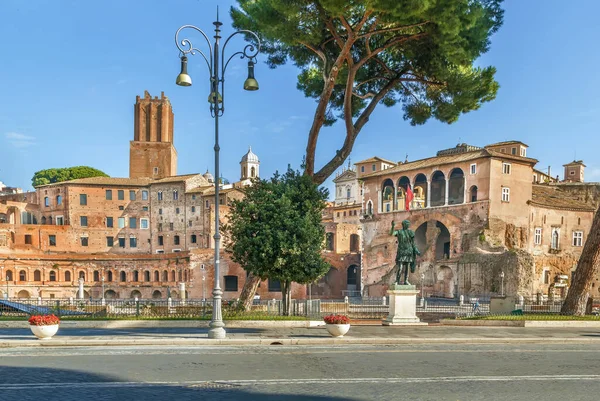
[{"x": 358, "y": 335}]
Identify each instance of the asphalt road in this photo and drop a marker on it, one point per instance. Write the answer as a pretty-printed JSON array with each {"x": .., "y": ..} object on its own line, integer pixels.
[{"x": 415, "y": 372}]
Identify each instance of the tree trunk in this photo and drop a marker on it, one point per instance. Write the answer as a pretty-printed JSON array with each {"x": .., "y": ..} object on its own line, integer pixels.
[
  {"x": 247, "y": 295},
  {"x": 286, "y": 297},
  {"x": 576, "y": 301}
]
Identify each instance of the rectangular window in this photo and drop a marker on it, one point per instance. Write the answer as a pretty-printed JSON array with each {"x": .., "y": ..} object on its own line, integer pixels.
[
  {"x": 27, "y": 239},
  {"x": 577, "y": 238},
  {"x": 513, "y": 151},
  {"x": 160, "y": 240},
  {"x": 109, "y": 222},
  {"x": 52, "y": 240},
  {"x": 160, "y": 251},
  {"x": 110, "y": 241},
  {"x": 189, "y": 223},
  {"x": 374, "y": 167},
  {"x": 207, "y": 204},
  {"x": 46, "y": 201},
  {"x": 144, "y": 195},
  {"x": 83, "y": 221},
  {"x": 145, "y": 208},
  {"x": 274, "y": 285},
  {"x": 537, "y": 239},
  {"x": 121, "y": 207},
  {"x": 523, "y": 152},
  {"x": 131, "y": 195},
  {"x": 83, "y": 199},
  {"x": 175, "y": 195},
  {"x": 505, "y": 194},
  {"x": 171, "y": 226},
  {"x": 193, "y": 239},
  {"x": 155, "y": 170},
  {"x": 176, "y": 210},
  {"x": 121, "y": 222},
  {"x": 546, "y": 276},
  {"x": 176, "y": 240},
  {"x": 120, "y": 194},
  {"x": 60, "y": 220},
  {"x": 505, "y": 168},
  {"x": 362, "y": 169},
  {"x": 144, "y": 224},
  {"x": 159, "y": 226},
  {"x": 194, "y": 197},
  {"x": 109, "y": 194},
  {"x": 193, "y": 209},
  {"x": 121, "y": 242},
  {"x": 84, "y": 241},
  {"x": 59, "y": 200},
  {"x": 473, "y": 168},
  {"x": 132, "y": 222},
  {"x": 133, "y": 242},
  {"x": 231, "y": 283},
  {"x": 159, "y": 211}
]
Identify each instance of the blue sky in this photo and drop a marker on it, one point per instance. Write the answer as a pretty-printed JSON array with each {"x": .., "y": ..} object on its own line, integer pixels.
[{"x": 70, "y": 72}]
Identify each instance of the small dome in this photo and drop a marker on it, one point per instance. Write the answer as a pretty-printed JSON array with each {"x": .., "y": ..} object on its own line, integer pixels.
[
  {"x": 249, "y": 157},
  {"x": 209, "y": 177}
]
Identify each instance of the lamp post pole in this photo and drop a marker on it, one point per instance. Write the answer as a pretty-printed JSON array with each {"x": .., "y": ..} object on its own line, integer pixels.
[
  {"x": 217, "y": 67},
  {"x": 502, "y": 284}
]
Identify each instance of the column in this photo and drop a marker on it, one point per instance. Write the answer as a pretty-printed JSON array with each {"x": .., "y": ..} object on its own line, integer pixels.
[
  {"x": 80, "y": 288},
  {"x": 466, "y": 191},
  {"x": 428, "y": 203},
  {"x": 395, "y": 199},
  {"x": 446, "y": 192}
]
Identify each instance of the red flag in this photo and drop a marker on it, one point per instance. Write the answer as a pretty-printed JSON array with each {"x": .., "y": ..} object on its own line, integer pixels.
[{"x": 409, "y": 197}]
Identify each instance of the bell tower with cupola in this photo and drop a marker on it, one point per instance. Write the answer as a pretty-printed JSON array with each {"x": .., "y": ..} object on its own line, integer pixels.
[{"x": 249, "y": 166}]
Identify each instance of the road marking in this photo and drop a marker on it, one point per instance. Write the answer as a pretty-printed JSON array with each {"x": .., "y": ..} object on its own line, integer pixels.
[{"x": 270, "y": 382}]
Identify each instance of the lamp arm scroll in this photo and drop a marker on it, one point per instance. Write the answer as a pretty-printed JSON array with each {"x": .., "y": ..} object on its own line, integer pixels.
[{"x": 185, "y": 46}]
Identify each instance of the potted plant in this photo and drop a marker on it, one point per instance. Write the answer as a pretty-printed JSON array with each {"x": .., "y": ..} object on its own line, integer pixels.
[
  {"x": 337, "y": 325},
  {"x": 44, "y": 326}
]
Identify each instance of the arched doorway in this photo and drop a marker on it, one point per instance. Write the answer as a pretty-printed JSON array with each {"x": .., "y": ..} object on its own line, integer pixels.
[
  {"x": 156, "y": 294},
  {"x": 136, "y": 294},
  {"x": 387, "y": 196},
  {"x": 420, "y": 191},
  {"x": 438, "y": 189},
  {"x": 445, "y": 282},
  {"x": 110, "y": 294},
  {"x": 473, "y": 193},
  {"x": 456, "y": 187},
  {"x": 442, "y": 244},
  {"x": 23, "y": 294},
  {"x": 403, "y": 184},
  {"x": 352, "y": 278}
]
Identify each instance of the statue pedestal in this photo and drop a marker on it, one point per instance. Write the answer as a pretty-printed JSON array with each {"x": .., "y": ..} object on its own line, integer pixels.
[{"x": 403, "y": 306}]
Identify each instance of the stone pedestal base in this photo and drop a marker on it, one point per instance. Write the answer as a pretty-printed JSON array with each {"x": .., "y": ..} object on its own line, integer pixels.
[{"x": 403, "y": 306}]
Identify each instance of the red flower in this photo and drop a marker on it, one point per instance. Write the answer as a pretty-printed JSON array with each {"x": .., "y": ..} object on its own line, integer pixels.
[
  {"x": 337, "y": 319},
  {"x": 43, "y": 320}
]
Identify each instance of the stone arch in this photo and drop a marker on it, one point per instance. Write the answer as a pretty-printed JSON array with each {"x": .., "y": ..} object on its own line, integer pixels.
[
  {"x": 123, "y": 277},
  {"x": 252, "y": 172},
  {"x": 136, "y": 276},
  {"x": 156, "y": 276},
  {"x": 180, "y": 275},
  {"x": 445, "y": 282},
  {"x": 438, "y": 189},
  {"x": 96, "y": 275},
  {"x": 387, "y": 195},
  {"x": 37, "y": 275},
  {"x": 369, "y": 207},
  {"x": 23, "y": 294},
  {"x": 173, "y": 278},
  {"x": 44, "y": 218},
  {"x": 401, "y": 188},
  {"x": 110, "y": 294},
  {"x": 146, "y": 276},
  {"x": 473, "y": 193},
  {"x": 82, "y": 275},
  {"x": 352, "y": 280},
  {"x": 165, "y": 276},
  {"x": 421, "y": 237},
  {"x": 52, "y": 275},
  {"x": 9, "y": 275},
  {"x": 136, "y": 294},
  {"x": 456, "y": 187},
  {"x": 442, "y": 243},
  {"x": 420, "y": 191},
  {"x": 110, "y": 276},
  {"x": 22, "y": 275},
  {"x": 156, "y": 294},
  {"x": 67, "y": 276}
]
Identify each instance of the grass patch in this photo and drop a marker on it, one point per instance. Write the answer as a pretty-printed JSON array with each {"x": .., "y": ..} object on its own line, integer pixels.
[{"x": 538, "y": 316}]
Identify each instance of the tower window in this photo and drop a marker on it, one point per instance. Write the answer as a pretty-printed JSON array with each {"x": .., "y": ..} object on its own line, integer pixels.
[{"x": 155, "y": 170}]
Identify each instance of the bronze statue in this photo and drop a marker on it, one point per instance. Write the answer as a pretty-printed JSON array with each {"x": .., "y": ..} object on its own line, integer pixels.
[{"x": 406, "y": 253}]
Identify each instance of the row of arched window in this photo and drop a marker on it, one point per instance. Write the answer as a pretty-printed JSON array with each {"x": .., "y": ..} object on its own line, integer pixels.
[{"x": 135, "y": 276}]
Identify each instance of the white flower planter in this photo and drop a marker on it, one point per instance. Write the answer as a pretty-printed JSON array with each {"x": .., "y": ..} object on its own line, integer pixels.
[
  {"x": 337, "y": 330},
  {"x": 44, "y": 332}
]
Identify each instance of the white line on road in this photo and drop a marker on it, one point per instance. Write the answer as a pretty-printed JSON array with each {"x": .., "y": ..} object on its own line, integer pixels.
[{"x": 287, "y": 382}]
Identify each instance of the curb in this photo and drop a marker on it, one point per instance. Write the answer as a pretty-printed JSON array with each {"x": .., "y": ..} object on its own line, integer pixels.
[
  {"x": 522, "y": 323},
  {"x": 58, "y": 343}
]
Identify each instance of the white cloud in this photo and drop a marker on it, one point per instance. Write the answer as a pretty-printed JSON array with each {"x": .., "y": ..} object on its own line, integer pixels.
[{"x": 20, "y": 140}]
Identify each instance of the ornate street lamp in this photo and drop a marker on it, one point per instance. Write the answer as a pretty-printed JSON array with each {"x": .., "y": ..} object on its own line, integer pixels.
[
  {"x": 502, "y": 284},
  {"x": 216, "y": 67}
]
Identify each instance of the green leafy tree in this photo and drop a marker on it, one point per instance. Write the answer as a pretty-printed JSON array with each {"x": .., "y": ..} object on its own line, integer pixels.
[
  {"x": 52, "y": 175},
  {"x": 355, "y": 54},
  {"x": 276, "y": 232}
]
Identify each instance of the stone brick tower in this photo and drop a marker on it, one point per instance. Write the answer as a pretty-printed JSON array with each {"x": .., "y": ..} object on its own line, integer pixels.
[{"x": 151, "y": 153}]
